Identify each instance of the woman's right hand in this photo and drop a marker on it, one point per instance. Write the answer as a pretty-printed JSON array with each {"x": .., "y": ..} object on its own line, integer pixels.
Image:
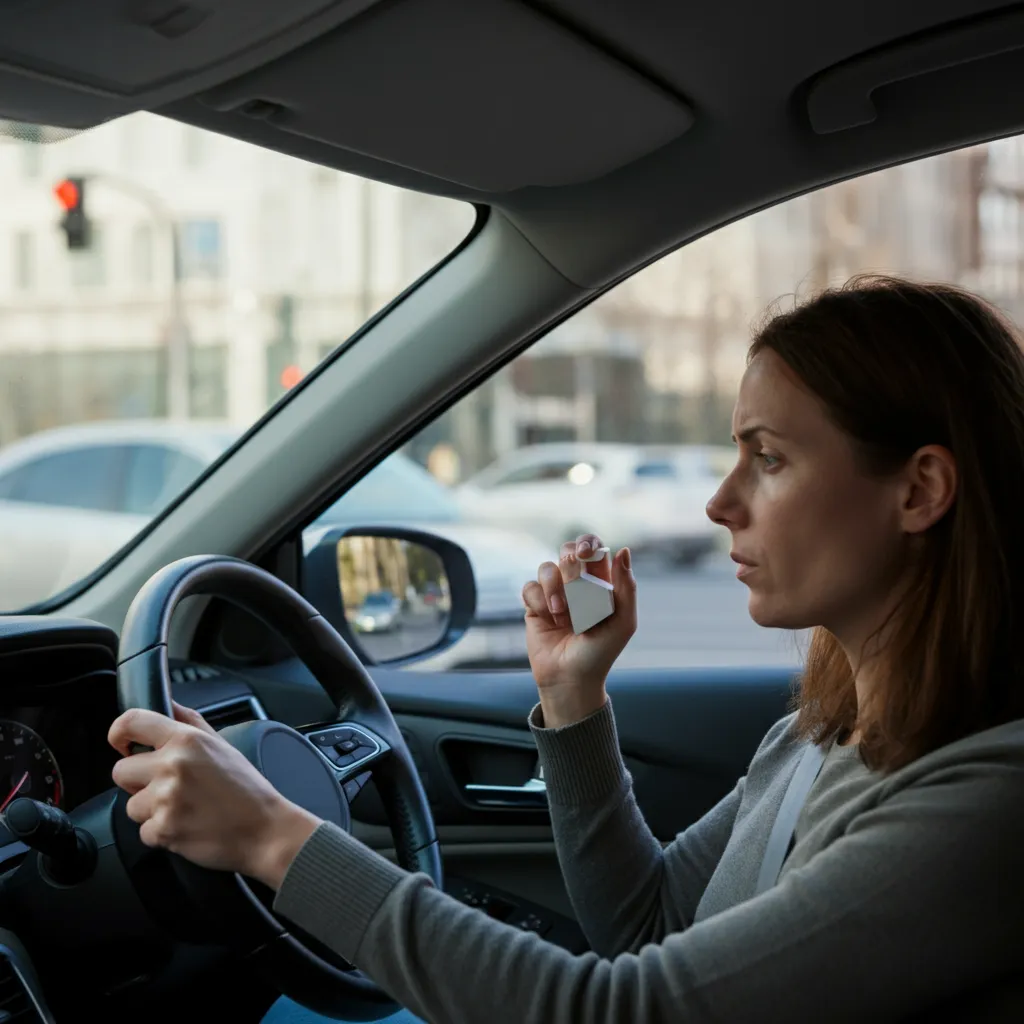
[{"x": 570, "y": 670}]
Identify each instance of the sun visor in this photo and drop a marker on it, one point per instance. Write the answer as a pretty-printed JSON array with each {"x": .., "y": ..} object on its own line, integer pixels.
[
  {"x": 489, "y": 94},
  {"x": 77, "y": 63}
]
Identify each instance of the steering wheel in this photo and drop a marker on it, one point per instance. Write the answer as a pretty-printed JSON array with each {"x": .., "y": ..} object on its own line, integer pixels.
[{"x": 203, "y": 905}]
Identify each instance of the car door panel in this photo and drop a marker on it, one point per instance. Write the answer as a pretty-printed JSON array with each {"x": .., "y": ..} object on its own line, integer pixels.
[
  {"x": 687, "y": 735},
  {"x": 693, "y": 719}
]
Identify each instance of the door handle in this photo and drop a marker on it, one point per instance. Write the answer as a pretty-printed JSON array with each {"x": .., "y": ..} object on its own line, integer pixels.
[{"x": 533, "y": 792}]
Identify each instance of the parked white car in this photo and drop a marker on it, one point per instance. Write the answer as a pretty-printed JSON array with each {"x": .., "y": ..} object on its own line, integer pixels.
[
  {"x": 650, "y": 498},
  {"x": 71, "y": 497}
]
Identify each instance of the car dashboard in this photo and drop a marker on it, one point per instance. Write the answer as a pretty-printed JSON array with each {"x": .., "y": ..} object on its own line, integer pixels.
[{"x": 58, "y": 696}]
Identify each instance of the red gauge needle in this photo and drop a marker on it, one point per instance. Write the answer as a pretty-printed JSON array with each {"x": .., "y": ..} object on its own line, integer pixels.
[{"x": 13, "y": 793}]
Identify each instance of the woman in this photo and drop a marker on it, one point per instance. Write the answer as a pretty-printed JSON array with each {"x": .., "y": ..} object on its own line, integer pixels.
[{"x": 878, "y": 495}]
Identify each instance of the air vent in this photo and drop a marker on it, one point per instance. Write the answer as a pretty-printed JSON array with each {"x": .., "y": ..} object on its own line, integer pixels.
[
  {"x": 229, "y": 712},
  {"x": 17, "y": 1006}
]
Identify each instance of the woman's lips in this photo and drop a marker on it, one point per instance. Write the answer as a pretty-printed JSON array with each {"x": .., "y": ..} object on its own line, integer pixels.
[{"x": 743, "y": 567}]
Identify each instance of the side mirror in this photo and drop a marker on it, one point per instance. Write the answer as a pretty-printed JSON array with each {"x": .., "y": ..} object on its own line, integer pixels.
[{"x": 395, "y": 595}]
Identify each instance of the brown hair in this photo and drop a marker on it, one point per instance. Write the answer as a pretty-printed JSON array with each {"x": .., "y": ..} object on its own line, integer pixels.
[{"x": 899, "y": 365}]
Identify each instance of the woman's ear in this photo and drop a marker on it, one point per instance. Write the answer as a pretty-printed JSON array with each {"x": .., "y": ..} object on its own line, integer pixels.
[{"x": 931, "y": 484}]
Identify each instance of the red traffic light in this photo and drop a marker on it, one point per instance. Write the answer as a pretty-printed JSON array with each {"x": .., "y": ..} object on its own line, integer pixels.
[{"x": 68, "y": 194}]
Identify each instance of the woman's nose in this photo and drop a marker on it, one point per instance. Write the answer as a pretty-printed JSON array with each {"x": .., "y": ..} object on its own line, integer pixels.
[{"x": 722, "y": 509}]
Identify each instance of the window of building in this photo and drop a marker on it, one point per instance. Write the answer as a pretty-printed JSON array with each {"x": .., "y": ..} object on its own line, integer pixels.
[{"x": 202, "y": 252}]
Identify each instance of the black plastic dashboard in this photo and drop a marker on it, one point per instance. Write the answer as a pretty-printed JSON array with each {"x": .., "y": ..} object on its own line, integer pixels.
[{"x": 57, "y": 699}]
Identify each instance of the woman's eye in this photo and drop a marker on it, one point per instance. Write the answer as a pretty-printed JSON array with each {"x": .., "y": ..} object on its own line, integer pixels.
[{"x": 769, "y": 460}]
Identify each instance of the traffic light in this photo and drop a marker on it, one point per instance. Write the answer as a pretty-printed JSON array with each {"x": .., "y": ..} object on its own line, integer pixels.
[{"x": 71, "y": 194}]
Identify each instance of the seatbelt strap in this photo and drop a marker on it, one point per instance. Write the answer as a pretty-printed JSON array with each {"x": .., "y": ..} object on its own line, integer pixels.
[{"x": 789, "y": 813}]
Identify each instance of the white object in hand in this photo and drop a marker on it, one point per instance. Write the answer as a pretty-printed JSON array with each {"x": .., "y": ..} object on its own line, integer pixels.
[{"x": 590, "y": 599}]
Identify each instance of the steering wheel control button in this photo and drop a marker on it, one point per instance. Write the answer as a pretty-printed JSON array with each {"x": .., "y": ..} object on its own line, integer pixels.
[
  {"x": 344, "y": 746},
  {"x": 353, "y": 786}
]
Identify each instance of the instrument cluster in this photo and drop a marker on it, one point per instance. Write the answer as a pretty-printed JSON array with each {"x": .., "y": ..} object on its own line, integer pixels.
[{"x": 56, "y": 753}]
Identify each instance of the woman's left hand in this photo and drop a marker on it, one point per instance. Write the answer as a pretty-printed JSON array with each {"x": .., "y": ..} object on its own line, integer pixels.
[{"x": 197, "y": 796}]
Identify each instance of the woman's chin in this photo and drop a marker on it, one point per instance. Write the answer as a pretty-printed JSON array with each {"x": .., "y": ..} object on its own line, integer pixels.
[{"x": 773, "y": 613}]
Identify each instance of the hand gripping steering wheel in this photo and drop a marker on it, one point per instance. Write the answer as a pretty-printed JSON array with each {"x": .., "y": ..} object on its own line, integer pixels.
[{"x": 203, "y": 905}]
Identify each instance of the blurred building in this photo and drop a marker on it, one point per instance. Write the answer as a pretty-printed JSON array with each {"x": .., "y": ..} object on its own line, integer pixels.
[{"x": 280, "y": 261}]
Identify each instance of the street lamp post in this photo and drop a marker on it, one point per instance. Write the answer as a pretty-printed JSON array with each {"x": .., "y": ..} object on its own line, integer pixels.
[
  {"x": 178, "y": 337},
  {"x": 178, "y": 340}
]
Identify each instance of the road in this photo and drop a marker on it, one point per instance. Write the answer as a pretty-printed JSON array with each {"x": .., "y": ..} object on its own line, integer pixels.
[
  {"x": 695, "y": 617},
  {"x": 418, "y": 632}
]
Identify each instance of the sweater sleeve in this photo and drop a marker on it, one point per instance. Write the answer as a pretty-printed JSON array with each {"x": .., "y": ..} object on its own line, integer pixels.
[
  {"x": 926, "y": 875},
  {"x": 626, "y": 889}
]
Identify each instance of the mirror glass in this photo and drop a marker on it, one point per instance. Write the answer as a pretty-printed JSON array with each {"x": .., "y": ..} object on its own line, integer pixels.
[{"x": 395, "y": 594}]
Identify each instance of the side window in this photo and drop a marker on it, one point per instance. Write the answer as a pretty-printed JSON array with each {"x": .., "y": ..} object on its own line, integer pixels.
[
  {"x": 387, "y": 493},
  {"x": 655, "y": 363},
  {"x": 156, "y": 475},
  {"x": 87, "y": 478}
]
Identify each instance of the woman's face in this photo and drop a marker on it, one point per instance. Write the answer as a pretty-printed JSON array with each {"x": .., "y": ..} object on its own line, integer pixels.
[{"x": 817, "y": 540}]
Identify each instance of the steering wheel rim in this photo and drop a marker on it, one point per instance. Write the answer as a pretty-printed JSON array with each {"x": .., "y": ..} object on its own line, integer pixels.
[{"x": 301, "y": 968}]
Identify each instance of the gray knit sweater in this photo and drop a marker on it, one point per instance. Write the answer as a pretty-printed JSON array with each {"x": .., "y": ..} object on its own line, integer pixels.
[{"x": 902, "y": 895}]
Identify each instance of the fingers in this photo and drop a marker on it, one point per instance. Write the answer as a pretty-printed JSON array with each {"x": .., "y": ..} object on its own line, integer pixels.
[
  {"x": 545, "y": 598},
  {"x": 191, "y": 717},
  {"x": 550, "y": 576},
  {"x": 624, "y": 582},
  {"x": 136, "y": 772},
  {"x": 536, "y": 604},
  {"x": 585, "y": 545},
  {"x": 148, "y": 728},
  {"x": 140, "y": 806}
]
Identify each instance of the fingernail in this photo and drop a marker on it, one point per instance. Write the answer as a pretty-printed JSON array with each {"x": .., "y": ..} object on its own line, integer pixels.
[
  {"x": 583, "y": 548},
  {"x": 627, "y": 559},
  {"x": 557, "y": 604}
]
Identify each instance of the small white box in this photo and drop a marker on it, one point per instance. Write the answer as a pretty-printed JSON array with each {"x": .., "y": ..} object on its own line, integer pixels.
[{"x": 591, "y": 599}]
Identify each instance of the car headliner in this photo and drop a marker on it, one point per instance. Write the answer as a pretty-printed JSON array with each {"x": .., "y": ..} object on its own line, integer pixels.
[{"x": 531, "y": 108}]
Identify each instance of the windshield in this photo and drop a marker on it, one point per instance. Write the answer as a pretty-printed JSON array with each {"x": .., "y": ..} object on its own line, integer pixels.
[
  {"x": 396, "y": 491},
  {"x": 165, "y": 286},
  {"x": 379, "y": 599}
]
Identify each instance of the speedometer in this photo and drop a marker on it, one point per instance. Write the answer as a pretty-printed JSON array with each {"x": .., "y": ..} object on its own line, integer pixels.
[{"x": 27, "y": 766}]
